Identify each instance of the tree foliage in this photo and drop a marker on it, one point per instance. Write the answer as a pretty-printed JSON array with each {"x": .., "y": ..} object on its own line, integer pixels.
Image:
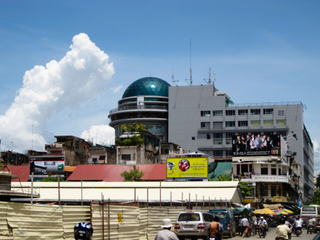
[
  {"x": 318, "y": 182},
  {"x": 133, "y": 175},
  {"x": 132, "y": 128},
  {"x": 51, "y": 178},
  {"x": 245, "y": 189}
]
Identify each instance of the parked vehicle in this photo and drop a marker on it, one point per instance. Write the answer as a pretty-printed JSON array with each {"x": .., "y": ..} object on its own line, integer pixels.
[
  {"x": 227, "y": 220},
  {"x": 193, "y": 225}
]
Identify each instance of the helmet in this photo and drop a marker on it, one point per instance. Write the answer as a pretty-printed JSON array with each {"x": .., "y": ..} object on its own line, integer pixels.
[
  {"x": 83, "y": 230},
  {"x": 282, "y": 220},
  {"x": 261, "y": 218}
]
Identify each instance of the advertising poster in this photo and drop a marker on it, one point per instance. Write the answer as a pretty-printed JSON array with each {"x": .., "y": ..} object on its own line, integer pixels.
[
  {"x": 187, "y": 168},
  {"x": 43, "y": 165},
  {"x": 256, "y": 145}
]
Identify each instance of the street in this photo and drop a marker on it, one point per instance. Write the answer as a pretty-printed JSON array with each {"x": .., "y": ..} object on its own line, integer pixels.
[{"x": 271, "y": 235}]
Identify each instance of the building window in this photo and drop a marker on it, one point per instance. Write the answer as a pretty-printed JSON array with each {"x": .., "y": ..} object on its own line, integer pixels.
[
  {"x": 208, "y": 136},
  {"x": 217, "y": 138},
  {"x": 205, "y": 125},
  {"x": 281, "y": 113},
  {"x": 268, "y": 122},
  {"x": 205, "y": 114},
  {"x": 268, "y": 111},
  {"x": 273, "y": 171},
  {"x": 95, "y": 160},
  {"x": 193, "y": 138},
  {"x": 279, "y": 169},
  {"x": 230, "y": 112},
  {"x": 228, "y": 138},
  {"x": 265, "y": 190},
  {"x": 273, "y": 191},
  {"x": 281, "y": 122},
  {"x": 264, "y": 169},
  {"x": 255, "y": 111},
  {"x": 126, "y": 157},
  {"x": 242, "y": 123},
  {"x": 230, "y": 123},
  {"x": 217, "y": 153},
  {"x": 255, "y": 123},
  {"x": 217, "y": 113},
  {"x": 243, "y": 112}
]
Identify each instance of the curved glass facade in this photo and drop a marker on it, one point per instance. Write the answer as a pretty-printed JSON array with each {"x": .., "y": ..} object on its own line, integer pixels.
[{"x": 147, "y": 86}]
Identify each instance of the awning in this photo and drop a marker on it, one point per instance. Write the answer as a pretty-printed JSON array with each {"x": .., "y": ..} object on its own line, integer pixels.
[{"x": 273, "y": 206}]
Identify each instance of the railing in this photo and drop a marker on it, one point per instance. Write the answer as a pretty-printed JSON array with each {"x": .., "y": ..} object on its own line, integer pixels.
[
  {"x": 272, "y": 178},
  {"x": 265, "y": 104},
  {"x": 127, "y": 162},
  {"x": 129, "y": 107}
]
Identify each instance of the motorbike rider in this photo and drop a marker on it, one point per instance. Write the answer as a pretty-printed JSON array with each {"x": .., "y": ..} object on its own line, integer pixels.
[
  {"x": 311, "y": 223},
  {"x": 244, "y": 223},
  {"x": 298, "y": 224},
  {"x": 263, "y": 223},
  {"x": 216, "y": 228},
  {"x": 83, "y": 231},
  {"x": 283, "y": 230}
]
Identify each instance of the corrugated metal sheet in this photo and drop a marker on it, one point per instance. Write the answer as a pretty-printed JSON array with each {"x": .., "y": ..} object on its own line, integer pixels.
[
  {"x": 4, "y": 230},
  {"x": 71, "y": 215},
  {"x": 35, "y": 222},
  {"x": 21, "y": 171}
]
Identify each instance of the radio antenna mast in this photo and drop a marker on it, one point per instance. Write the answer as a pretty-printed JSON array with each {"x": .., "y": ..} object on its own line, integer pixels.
[
  {"x": 174, "y": 81},
  {"x": 189, "y": 81},
  {"x": 208, "y": 80}
]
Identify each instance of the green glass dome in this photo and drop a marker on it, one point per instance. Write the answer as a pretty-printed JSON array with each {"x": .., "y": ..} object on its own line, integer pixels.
[{"x": 147, "y": 86}]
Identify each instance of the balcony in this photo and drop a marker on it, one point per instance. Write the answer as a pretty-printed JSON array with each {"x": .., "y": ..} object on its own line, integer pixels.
[
  {"x": 270, "y": 178},
  {"x": 127, "y": 162}
]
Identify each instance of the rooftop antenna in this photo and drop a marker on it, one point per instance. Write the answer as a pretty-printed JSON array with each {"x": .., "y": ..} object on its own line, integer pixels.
[
  {"x": 189, "y": 81},
  {"x": 174, "y": 81},
  {"x": 214, "y": 80},
  {"x": 208, "y": 80}
]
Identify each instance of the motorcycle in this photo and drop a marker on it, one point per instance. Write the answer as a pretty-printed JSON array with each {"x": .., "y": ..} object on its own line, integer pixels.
[
  {"x": 247, "y": 231},
  {"x": 310, "y": 229},
  {"x": 261, "y": 231},
  {"x": 298, "y": 231},
  {"x": 213, "y": 236}
]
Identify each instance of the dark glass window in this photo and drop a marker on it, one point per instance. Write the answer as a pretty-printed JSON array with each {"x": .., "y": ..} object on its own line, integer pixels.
[
  {"x": 255, "y": 111},
  {"x": 230, "y": 112},
  {"x": 268, "y": 111},
  {"x": 243, "y": 112}
]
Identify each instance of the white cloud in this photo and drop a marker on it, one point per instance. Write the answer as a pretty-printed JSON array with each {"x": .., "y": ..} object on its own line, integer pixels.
[
  {"x": 102, "y": 134},
  {"x": 79, "y": 76},
  {"x": 116, "y": 89}
]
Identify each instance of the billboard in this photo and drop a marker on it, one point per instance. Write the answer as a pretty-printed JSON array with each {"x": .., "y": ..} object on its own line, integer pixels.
[
  {"x": 187, "y": 167},
  {"x": 43, "y": 165},
  {"x": 256, "y": 145}
]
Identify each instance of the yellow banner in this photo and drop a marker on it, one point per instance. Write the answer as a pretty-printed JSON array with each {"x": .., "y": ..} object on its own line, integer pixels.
[
  {"x": 187, "y": 168},
  {"x": 278, "y": 199}
]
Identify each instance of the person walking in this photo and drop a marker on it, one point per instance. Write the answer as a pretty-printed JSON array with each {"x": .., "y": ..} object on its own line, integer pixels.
[{"x": 166, "y": 234}]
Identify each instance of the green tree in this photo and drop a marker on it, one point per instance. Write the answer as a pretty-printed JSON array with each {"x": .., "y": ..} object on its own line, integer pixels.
[
  {"x": 318, "y": 182},
  {"x": 133, "y": 175},
  {"x": 50, "y": 178},
  {"x": 132, "y": 128},
  {"x": 245, "y": 189}
]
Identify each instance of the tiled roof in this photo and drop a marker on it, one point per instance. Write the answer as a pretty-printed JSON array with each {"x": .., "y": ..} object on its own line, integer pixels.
[
  {"x": 112, "y": 173},
  {"x": 21, "y": 171}
]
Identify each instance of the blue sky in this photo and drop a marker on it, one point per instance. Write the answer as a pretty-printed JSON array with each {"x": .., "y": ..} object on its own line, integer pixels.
[{"x": 261, "y": 51}]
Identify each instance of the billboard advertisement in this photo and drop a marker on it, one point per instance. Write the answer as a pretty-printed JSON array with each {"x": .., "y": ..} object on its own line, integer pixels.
[
  {"x": 187, "y": 167},
  {"x": 255, "y": 145},
  {"x": 43, "y": 165}
]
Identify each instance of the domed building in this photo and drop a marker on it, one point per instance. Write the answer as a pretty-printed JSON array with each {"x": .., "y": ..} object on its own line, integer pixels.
[{"x": 145, "y": 101}]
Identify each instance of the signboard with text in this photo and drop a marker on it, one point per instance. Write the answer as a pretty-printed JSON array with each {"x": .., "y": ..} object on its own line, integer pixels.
[
  {"x": 256, "y": 145},
  {"x": 187, "y": 168}
]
